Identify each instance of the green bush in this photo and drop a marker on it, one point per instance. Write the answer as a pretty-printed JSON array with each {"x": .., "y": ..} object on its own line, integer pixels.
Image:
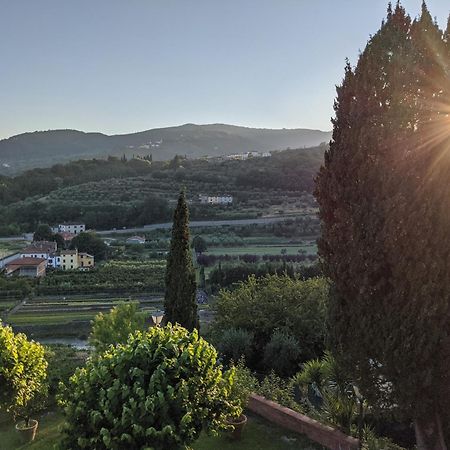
[
  {"x": 158, "y": 391},
  {"x": 235, "y": 343},
  {"x": 115, "y": 327},
  {"x": 23, "y": 373},
  {"x": 282, "y": 353}
]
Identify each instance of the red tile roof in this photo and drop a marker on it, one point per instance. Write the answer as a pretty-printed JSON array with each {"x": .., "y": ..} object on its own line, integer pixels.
[{"x": 26, "y": 261}]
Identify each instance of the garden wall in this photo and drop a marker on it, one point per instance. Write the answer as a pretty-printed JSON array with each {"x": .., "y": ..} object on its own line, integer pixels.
[{"x": 299, "y": 423}]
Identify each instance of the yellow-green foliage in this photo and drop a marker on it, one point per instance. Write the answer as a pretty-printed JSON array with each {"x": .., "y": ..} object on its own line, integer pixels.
[
  {"x": 158, "y": 391},
  {"x": 23, "y": 372}
]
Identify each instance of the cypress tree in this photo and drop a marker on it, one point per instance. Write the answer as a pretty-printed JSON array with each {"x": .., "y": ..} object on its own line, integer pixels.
[
  {"x": 180, "y": 302},
  {"x": 384, "y": 204}
]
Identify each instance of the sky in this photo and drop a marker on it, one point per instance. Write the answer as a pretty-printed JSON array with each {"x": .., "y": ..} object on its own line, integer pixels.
[{"x": 119, "y": 66}]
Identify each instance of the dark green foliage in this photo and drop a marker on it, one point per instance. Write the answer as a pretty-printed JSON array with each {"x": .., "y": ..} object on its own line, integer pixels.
[
  {"x": 90, "y": 243},
  {"x": 263, "y": 305},
  {"x": 180, "y": 303},
  {"x": 159, "y": 391},
  {"x": 235, "y": 343},
  {"x": 282, "y": 353},
  {"x": 113, "y": 277},
  {"x": 199, "y": 244},
  {"x": 384, "y": 202},
  {"x": 63, "y": 360},
  {"x": 43, "y": 233}
]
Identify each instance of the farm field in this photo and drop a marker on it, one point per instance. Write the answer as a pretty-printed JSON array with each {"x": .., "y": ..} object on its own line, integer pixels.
[
  {"x": 11, "y": 247},
  {"x": 261, "y": 250}
]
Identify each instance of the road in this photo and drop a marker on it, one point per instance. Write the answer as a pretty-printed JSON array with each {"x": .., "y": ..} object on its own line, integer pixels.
[
  {"x": 198, "y": 223},
  {"x": 167, "y": 225}
]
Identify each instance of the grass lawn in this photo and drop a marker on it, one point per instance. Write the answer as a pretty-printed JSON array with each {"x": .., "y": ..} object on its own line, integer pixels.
[{"x": 258, "y": 435}]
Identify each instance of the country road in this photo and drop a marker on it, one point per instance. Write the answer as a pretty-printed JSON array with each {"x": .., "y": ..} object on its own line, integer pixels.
[
  {"x": 156, "y": 226},
  {"x": 199, "y": 223}
]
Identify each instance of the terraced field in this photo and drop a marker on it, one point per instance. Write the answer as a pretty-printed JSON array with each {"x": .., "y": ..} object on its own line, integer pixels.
[{"x": 64, "y": 310}]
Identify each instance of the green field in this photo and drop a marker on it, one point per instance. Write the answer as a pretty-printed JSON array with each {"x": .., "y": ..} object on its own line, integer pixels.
[
  {"x": 258, "y": 435},
  {"x": 261, "y": 250},
  {"x": 11, "y": 247}
]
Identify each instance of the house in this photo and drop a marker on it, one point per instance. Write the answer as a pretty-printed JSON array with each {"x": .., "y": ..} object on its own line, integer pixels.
[
  {"x": 85, "y": 260},
  {"x": 27, "y": 267},
  {"x": 70, "y": 227},
  {"x": 41, "y": 249},
  {"x": 215, "y": 199},
  {"x": 135, "y": 240},
  {"x": 67, "y": 237},
  {"x": 69, "y": 259}
]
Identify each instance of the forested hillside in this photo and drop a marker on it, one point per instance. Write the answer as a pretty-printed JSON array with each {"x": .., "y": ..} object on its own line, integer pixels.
[
  {"x": 44, "y": 148},
  {"x": 117, "y": 192}
]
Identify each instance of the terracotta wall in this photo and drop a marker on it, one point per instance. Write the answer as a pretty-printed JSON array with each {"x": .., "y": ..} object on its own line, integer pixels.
[{"x": 294, "y": 421}]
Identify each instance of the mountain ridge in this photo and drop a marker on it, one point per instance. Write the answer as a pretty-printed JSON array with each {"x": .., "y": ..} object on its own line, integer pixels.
[{"x": 43, "y": 148}]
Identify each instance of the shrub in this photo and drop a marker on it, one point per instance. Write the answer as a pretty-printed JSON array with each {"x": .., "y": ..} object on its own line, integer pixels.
[
  {"x": 23, "y": 373},
  {"x": 159, "y": 390},
  {"x": 282, "y": 353},
  {"x": 115, "y": 327},
  {"x": 235, "y": 343},
  {"x": 244, "y": 383}
]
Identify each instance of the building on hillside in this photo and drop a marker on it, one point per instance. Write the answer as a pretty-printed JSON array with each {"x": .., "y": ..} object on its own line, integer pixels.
[
  {"x": 67, "y": 237},
  {"x": 215, "y": 199},
  {"x": 70, "y": 227},
  {"x": 69, "y": 259},
  {"x": 85, "y": 260},
  {"x": 41, "y": 249},
  {"x": 27, "y": 267},
  {"x": 135, "y": 240}
]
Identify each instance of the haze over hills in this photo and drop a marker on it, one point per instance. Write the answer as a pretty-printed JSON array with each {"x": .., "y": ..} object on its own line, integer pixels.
[{"x": 45, "y": 148}]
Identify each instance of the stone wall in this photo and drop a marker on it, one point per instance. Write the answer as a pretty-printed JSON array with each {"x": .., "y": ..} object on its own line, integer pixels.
[{"x": 299, "y": 423}]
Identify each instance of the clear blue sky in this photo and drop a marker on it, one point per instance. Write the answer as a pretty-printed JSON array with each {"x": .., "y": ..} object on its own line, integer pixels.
[{"x": 120, "y": 66}]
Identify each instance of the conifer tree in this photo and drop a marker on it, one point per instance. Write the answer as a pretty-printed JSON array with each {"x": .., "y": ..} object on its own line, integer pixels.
[
  {"x": 180, "y": 303},
  {"x": 384, "y": 204}
]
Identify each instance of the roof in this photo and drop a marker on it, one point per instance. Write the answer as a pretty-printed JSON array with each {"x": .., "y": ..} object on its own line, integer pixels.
[
  {"x": 138, "y": 238},
  {"x": 26, "y": 261},
  {"x": 69, "y": 252},
  {"x": 40, "y": 247},
  {"x": 66, "y": 235},
  {"x": 85, "y": 254},
  {"x": 71, "y": 223}
]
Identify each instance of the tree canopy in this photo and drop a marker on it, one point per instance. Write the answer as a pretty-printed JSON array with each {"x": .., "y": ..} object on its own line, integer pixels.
[
  {"x": 180, "y": 302},
  {"x": 384, "y": 200}
]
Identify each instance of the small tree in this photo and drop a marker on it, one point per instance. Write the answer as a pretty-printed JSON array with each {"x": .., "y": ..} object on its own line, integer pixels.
[
  {"x": 159, "y": 391},
  {"x": 180, "y": 302},
  {"x": 43, "y": 233},
  {"x": 115, "y": 327},
  {"x": 23, "y": 373},
  {"x": 282, "y": 353},
  {"x": 90, "y": 243},
  {"x": 199, "y": 245}
]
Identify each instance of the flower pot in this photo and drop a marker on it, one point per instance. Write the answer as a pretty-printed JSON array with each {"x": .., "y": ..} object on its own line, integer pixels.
[
  {"x": 27, "y": 433},
  {"x": 238, "y": 423}
]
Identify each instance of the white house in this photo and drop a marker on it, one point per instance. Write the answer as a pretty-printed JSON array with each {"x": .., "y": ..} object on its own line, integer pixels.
[
  {"x": 70, "y": 227},
  {"x": 43, "y": 250},
  {"x": 215, "y": 199}
]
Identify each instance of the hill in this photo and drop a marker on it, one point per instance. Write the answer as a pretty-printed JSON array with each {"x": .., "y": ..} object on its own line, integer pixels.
[
  {"x": 45, "y": 148},
  {"x": 117, "y": 192}
]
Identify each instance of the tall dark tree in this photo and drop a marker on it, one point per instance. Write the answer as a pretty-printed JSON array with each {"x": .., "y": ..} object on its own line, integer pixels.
[
  {"x": 384, "y": 204},
  {"x": 180, "y": 302}
]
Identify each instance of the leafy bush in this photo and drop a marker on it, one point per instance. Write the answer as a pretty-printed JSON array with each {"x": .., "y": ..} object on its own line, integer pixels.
[
  {"x": 263, "y": 305},
  {"x": 279, "y": 390},
  {"x": 115, "y": 327},
  {"x": 23, "y": 373},
  {"x": 159, "y": 390},
  {"x": 244, "y": 383},
  {"x": 282, "y": 353},
  {"x": 235, "y": 343}
]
